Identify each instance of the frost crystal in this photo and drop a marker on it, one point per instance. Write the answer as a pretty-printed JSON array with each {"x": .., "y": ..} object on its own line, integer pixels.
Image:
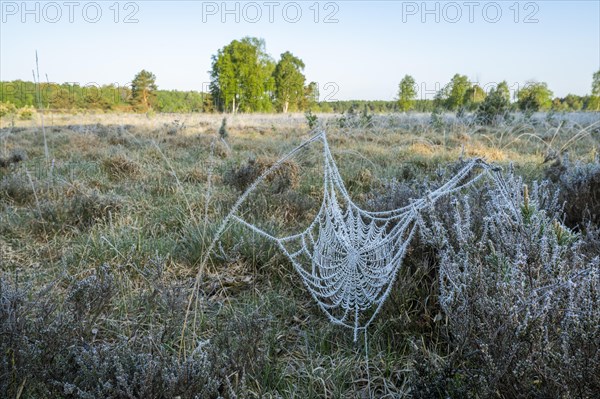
[{"x": 348, "y": 258}]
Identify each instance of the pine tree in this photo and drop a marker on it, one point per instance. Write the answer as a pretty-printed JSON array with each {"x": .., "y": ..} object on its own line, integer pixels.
[{"x": 143, "y": 88}]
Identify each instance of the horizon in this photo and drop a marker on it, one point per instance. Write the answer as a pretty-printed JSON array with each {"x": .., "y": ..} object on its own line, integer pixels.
[{"x": 354, "y": 50}]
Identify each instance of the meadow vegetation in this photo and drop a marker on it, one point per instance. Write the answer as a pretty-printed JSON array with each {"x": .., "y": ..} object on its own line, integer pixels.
[{"x": 101, "y": 244}]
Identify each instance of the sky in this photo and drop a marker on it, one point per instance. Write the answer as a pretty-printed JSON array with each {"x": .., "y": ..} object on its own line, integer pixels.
[{"x": 352, "y": 49}]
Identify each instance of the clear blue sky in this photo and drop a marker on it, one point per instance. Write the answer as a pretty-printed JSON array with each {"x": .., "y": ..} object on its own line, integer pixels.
[{"x": 364, "y": 54}]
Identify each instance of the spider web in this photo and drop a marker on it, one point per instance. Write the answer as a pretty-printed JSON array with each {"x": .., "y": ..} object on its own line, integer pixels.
[{"x": 348, "y": 258}]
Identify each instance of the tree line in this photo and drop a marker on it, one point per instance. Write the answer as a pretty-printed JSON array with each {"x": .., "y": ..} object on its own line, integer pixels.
[
  {"x": 461, "y": 95},
  {"x": 245, "y": 78},
  {"x": 19, "y": 94}
]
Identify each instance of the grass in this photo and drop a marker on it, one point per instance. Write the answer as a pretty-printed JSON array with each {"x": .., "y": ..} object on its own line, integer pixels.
[{"x": 108, "y": 235}]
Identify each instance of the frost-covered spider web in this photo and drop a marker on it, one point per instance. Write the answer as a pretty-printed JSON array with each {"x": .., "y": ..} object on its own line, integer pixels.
[{"x": 348, "y": 258}]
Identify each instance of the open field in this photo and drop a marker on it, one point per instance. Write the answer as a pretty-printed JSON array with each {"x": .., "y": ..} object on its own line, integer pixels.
[{"x": 101, "y": 243}]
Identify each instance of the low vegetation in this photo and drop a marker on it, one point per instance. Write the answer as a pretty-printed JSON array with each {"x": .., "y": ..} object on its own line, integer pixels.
[{"x": 101, "y": 243}]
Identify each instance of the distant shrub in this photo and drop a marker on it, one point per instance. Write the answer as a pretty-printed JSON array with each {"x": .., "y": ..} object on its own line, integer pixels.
[
  {"x": 311, "y": 119},
  {"x": 150, "y": 113},
  {"x": 493, "y": 110},
  {"x": 353, "y": 119},
  {"x": 437, "y": 119},
  {"x": 7, "y": 109},
  {"x": 26, "y": 113}
]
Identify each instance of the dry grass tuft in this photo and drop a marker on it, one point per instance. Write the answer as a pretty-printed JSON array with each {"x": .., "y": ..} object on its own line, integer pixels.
[
  {"x": 285, "y": 177},
  {"x": 119, "y": 167}
]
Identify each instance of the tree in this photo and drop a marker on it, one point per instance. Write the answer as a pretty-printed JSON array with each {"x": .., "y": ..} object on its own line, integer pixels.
[
  {"x": 474, "y": 96},
  {"x": 241, "y": 76},
  {"x": 311, "y": 97},
  {"x": 594, "y": 103},
  {"x": 535, "y": 96},
  {"x": 573, "y": 102},
  {"x": 407, "y": 91},
  {"x": 289, "y": 82},
  {"x": 456, "y": 92},
  {"x": 495, "y": 106},
  {"x": 143, "y": 88},
  {"x": 559, "y": 105},
  {"x": 596, "y": 84}
]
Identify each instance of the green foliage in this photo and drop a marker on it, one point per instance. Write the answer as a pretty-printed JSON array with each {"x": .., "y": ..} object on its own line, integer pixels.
[
  {"x": 596, "y": 84},
  {"x": 375, "y": 106},
  {"x": 455, "y": 92},
  {"x": 571, "y": 102},
  {"x": 366, "y": 119},
  {"x": 407, "y": 92},
  {"x": 534, "y": 97},
  {"x": 311, "y": 97},
  {"x": 67, "y": 97},
  {"x": 352, "y": 119},
  {"x": 143, "y": 90},
  {"x": 289, "y": 82},
  {"x": 474, "y": 96},
  {"x": 241, "y": 77},
  {"x": 594, "y": 102},
  {"x": 311, "y": 119},
  {"x": 7, "y": 109},
  {"x": 26, "y": 113},
  {"x": 495, "y": 107},
  {"x": 437, "y": 119},
  {"x": 175, "y": 101}
]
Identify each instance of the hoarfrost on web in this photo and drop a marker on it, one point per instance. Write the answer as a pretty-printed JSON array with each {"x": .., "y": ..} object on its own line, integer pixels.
[{"x": 348, "y": 258}]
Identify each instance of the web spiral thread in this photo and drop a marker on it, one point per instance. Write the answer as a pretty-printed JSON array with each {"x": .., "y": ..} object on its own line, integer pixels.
[{"x": 348, "y": 258}]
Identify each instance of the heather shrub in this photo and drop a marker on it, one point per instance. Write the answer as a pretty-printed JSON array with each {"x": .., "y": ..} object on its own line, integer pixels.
[
  {"x": 14, "y": 158},
  {"x": 16, "y": 188},
  {"x": 521, "y": 298},
  {"x": 63, "y": 342},
  {"x": 579, "y": 187}
]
